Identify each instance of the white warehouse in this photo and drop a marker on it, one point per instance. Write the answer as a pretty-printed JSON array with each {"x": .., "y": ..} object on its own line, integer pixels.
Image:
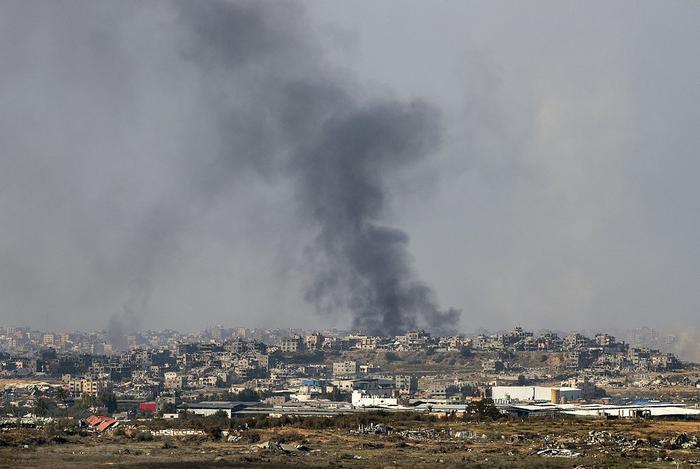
[
  {"x": 363, "y": 399},
  {"x": 557, "y": 395}
]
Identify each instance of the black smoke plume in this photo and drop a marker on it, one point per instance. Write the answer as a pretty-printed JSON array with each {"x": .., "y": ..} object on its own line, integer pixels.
[
  {"x": 340, "y": 149},
  {"x": 138, "y": 136}
]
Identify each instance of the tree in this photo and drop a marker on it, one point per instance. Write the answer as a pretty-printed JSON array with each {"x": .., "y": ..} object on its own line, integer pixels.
[
  {"x": 61, "y": 394},
  {"x": 248, "y": 395},
  {"x": 169, "y": 408},
  {"x": 42, "y": 407},
  {"x": 109, "y": 400},
  {"x": 89, "y": 401},
  {"x": 391, "y": 357},
  {"x": 483, "y": 409}
]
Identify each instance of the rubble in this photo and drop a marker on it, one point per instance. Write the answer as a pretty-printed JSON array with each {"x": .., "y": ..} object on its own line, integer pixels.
[
  {"x": 179, "y": 432},
  {"x": 559, "y": 441},
  {"x": 467, "y": 435},
  {"x": 558, "y": 453},
  {"x": 28, "y": 421},
  {"x": 422, "y": 434},
  {"x": 268, "y": 445},
  {"x": 373, "y": 429},
  {"x": 419, "y": 434},
  {"x": 682, "y": 440},
  {"x": 604, "y": 437},
  {"x": 277, "y": 446}
]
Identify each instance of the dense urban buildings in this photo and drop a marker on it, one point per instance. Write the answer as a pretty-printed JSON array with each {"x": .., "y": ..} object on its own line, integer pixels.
[
  {"x": 318, "y": 367},
  {"x": 165, "y": 384}
]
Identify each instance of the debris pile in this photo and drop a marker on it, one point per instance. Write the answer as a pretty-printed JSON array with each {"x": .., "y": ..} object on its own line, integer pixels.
[
  {"x": 558, "y": 453},
  {"x": 373, "y": 429},
  {"x": 416, "y": 434},
  {"x": 467, "y": 435},
  {"x": 28, "y": 421},
  {"x": 277, "y": 446},
  {"x": 179, "y": 432},
  {"x": 604, "y": 437},
  {"x": 558, "y": 441},
  {"x": 682, "y": 440},
  {"x": 421, "y": 434}
]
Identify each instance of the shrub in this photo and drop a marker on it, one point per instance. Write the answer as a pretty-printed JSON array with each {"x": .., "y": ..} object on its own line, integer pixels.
[
  {"x": 144, "y": 436},
  {"x": 250, "y": 436}
]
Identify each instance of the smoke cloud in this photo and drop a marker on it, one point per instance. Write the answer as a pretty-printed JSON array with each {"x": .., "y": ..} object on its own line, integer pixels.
[
  {"x": 181, "y": 164},
  {"x": 339, "y": 148},
  {"x": 162, "y": 131},
  {"x": 365, "y": 266}
]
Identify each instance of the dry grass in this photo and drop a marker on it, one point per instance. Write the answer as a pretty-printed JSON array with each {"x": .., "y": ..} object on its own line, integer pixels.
[{"x": 340, "y": 448}]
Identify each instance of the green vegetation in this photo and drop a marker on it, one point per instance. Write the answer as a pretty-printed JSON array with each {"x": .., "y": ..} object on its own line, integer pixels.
[
  {"x": 483, "y": 409},
  {"x": 391, "y": 357}
]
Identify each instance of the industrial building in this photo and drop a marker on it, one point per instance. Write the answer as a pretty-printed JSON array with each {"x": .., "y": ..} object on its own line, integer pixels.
[
  {"x": 212, "y": 407},
  {"x": 557, "y": 395},
  {"x": 637, "y": 410}
]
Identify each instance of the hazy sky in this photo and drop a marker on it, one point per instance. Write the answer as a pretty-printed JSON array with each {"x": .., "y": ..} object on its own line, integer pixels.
[{"x": 562, "y": 192}]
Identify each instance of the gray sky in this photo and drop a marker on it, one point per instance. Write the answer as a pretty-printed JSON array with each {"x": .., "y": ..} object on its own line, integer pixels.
[{"x": 562, "y": 193}]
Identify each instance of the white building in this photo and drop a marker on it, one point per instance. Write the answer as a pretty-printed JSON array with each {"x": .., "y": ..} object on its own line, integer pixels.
[
  {"x": 507, "y": 394},
  {"x": 363, "y": 399}
]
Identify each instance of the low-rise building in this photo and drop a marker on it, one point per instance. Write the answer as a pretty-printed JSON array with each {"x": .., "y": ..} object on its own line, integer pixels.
[
  {"x": 405, "y": 384},
  {"x": 212, "y": 407},
  {"x": 290, "y": 344},
  {"x": 173, "y": 381},
  {"x": 346, "y": 368},
  {"x": 78, "y": 387}
]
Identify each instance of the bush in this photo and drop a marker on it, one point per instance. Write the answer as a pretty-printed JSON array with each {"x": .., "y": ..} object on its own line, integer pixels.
[
  {"x": 169, "y": 408},
  {"x": 483, "y": 409},
  {"x": 169, "y": 444},
  {"x": 288, "y": 437},
  {"x": 250, "y": 436},
  {"x": 144, "y": 436}
]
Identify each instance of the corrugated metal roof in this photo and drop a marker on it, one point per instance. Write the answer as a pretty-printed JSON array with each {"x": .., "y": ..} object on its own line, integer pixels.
[
  {"x": 105, "y": 424},
  {"x": 100, "y": 422},
  {"x": 222, "y": 404},
  {"x": 93, "y": 420}
]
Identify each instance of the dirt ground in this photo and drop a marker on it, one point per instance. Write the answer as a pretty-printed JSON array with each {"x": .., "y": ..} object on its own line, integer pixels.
[{"x": 600, "y": 443}]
